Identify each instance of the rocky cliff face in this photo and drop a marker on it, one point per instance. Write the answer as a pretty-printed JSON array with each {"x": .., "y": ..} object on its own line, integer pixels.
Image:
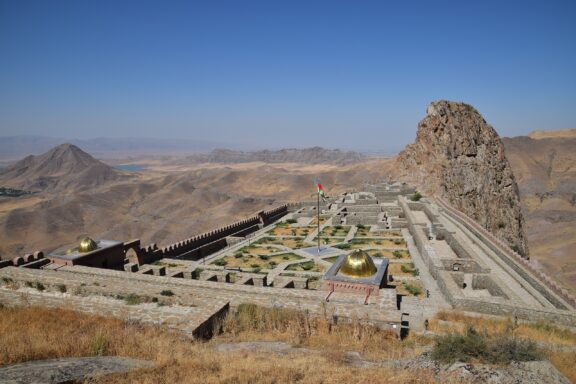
[{"x": 461, "y": 158}]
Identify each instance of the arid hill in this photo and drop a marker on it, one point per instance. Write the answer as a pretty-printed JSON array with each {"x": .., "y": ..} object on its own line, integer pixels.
[
  {"x": 162, "y": 204},
  {"x": 546, "y": 173},
  {"x": 560, "y": 133},
  {"x": 459, "y": 157},
  {"x": 314, "y": 155},
  {"x": 63, "y": 167}
]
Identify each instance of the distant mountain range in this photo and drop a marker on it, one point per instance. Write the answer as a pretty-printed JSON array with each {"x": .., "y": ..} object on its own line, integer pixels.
[
  {"x": 314, "y": 155},
  {"x": 16, "y": 147}
]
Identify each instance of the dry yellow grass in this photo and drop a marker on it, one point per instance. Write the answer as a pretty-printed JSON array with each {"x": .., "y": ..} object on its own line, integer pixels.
[
  {"x": 37, "y": 333},
  {"x": 542, "y": 332}
]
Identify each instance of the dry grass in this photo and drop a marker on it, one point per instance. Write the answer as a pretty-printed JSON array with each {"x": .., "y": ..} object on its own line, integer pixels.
[
  {"x": 541, "y": 332},
  {"x": 384, "y": 243},
  {"x": 291, "y": 231},
  {"x": 36, "y": 333}
]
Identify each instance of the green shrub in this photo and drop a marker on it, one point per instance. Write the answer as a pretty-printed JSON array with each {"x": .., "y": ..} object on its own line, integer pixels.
[
  {"x": 256, "y": 269},
  {"x": 397, "y": 254},
  {"x": 238, "y": 255},
  {"x": 286, "y": 257},
  {"x": 360, "y": 226},
  {"x": 338, "y": 226},
  {"x": 6, "y": 280},
  {"x": 39, "y": 286},
  {"x": 264, "y": 257},
  {"x": 476, "y": 346},
  {"x": 414, "y": 290},
  {"x": 416, "y": 196},
  {"x": 308, "y": 265},
  {"x": 167, "y": 292},
  {"x": 272, "y": 264},
  {"x": 61, "y": 288},
  {"x": 397, "y": 241},
  {"x": 344, "y": 246},
  {"x": 132, "y": 299},
  {"x": 255, "y": 265},
  {"x": 197, "y": 272},
  {"x": 220, "y": 262},
  {"x": 291, "y": 221}
]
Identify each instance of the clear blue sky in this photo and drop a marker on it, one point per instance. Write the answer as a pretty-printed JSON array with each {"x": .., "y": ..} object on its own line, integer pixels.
[{"x": 354, "y": 74}]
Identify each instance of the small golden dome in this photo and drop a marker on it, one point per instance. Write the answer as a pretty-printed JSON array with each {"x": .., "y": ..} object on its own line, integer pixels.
[
  {"x": 358, "y": 264},
  {"x": 87, "y": 245}
]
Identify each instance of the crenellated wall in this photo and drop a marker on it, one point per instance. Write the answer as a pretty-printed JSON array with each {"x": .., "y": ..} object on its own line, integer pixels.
[{"x": 206, "y": 243}]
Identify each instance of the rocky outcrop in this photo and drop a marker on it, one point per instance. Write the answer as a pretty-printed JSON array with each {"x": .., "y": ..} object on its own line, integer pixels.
[{"x": 459, "y": 157}]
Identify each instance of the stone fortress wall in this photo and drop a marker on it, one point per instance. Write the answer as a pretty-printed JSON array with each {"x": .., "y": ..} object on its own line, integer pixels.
[
  {"x": 468, "y": 269},
  {"x": 457, "y": 259}
]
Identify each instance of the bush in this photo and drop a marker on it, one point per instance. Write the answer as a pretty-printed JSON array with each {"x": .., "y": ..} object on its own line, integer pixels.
[
  {"x": 39, "y": 286},
  {"x": 308, "y": 265},
  {"x": 255, "y": 265},
  {"x": 416, "y": 196},
  {"x": 291, "y": 221},
  {"x": 132, "y": 299},
  {"x": 197, "y": 272},
  {"x": 397, "y": 254},
  {"x": 360, "y": 226},
  {"x": 264, "y": 257},
  {"x": 167, "y": 292},
  {"x": 256, "y": 269},
  {"x": 414, "y": 290},
  {"x": 397, "y": 241},
  {"x": 220, "y": 262},
  {"x": 344, "y": 246},
  {"x": 61, "y": 288},
  {"x": 272, "y": 264},
  {"x": 238, "y": 255},
  {"x": 286, "y": 257},
  {"x": 473, "y": 345}
]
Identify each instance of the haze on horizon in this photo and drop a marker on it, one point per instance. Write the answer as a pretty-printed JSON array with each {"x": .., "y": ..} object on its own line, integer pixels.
[{"x": 264, "y": 74}]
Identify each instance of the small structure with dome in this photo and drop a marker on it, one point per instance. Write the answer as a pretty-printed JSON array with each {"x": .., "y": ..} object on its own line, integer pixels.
[
  {"x": 356, "y": 272},
  {"x": 91, "y": 253}
]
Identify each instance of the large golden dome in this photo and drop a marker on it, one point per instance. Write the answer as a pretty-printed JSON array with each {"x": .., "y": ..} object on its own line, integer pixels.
[
  {"x": 87, "y": 245},
  {"x": 358, "y": 264}
]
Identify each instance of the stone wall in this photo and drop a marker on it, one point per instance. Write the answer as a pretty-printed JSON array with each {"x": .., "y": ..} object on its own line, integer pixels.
[
  {"x": 537, "y": 279},
  {"x": 498, "y": 305},
  {"x": 204, "y": 244}
]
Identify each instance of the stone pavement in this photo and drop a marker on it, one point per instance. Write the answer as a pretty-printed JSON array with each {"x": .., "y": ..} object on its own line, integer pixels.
[{"x": 66, "y": 370}]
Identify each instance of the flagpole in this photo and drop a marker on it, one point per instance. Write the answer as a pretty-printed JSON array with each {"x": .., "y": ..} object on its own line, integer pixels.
[{"x": 318, "y": 221}]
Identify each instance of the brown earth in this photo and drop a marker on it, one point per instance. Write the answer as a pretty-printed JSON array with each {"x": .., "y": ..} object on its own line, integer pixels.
[
  {"x": 546, "y": 173},
  {"x": 163, "y": 204}
]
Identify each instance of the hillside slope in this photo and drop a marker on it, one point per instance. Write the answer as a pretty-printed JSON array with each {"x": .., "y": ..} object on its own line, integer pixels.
[
  {"x": 546, "y": 173},
  {"x": 63, "y": 167}
]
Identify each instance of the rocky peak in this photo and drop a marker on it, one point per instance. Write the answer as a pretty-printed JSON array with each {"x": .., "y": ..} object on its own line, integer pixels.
[{"x": 461, "y": 158}]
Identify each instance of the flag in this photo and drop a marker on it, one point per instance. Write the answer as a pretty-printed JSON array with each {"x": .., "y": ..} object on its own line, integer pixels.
[{"x": 320, "y": 189}]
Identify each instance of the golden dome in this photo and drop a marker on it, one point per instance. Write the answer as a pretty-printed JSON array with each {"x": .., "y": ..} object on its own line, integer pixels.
[
  {"x": 87, "y": 245},
  {"x": 358, "y": 264}
]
